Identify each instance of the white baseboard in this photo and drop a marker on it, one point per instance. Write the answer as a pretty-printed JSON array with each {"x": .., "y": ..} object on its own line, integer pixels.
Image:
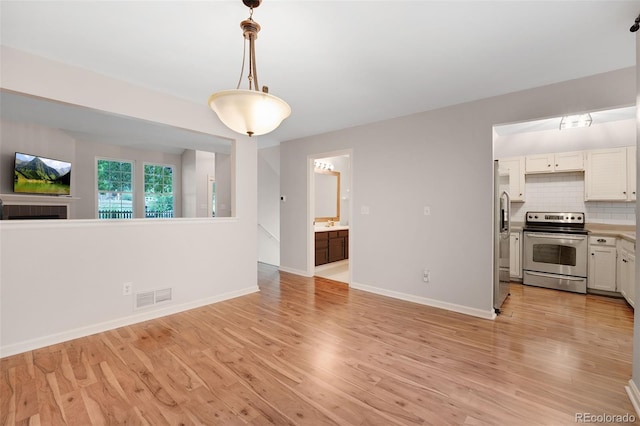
[
  {"x": 491, "y": 315},
  {"x": 40, "y": 342},
  {"x": 634, "y": 396},
  {"x": 295, "y": 271}
]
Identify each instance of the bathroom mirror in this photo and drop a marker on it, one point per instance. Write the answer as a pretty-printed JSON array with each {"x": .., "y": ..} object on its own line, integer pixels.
[{"x": 327, "y": 196}]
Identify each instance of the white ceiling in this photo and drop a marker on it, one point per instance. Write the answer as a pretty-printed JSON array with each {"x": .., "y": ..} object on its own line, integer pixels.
[{"x": 337, "y": 63}]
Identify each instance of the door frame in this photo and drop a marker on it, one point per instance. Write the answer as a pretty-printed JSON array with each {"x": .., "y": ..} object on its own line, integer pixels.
[{"x": 311, "y": 208}]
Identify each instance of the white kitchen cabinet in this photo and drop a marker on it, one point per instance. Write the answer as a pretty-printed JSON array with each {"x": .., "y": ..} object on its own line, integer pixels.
[
  {"x": 627, "y": 271},
  {"x": 558, "y": 162},
  {"x": 515, "y": 249},
  {"x": 540, "y": 163},
  {"x": 631, "y": 173},
  {"x": 606, "y": 175},
  {"x": 569, "y": 161},
  {"x": 602, "y": 263},
  {"x": 514, "y": 167}
]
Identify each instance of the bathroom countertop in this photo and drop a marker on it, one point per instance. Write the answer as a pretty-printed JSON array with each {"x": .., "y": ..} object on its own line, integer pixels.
[{"x": 325, "y": 228}]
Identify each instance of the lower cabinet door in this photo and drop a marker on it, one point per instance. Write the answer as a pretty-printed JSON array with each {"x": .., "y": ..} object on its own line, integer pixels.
[
  {"x": 336, "y": 249},
  {"x": 602, "y": 268},
  {"x": 322, "y": 249},
  {"x": 322, "y": 256}
]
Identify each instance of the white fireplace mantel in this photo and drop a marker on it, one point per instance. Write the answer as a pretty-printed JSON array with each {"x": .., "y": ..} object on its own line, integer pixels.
[{"x": 45, "y": 200}]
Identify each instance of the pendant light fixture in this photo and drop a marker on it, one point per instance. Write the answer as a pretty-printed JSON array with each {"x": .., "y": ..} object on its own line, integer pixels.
[{"x": 252, "y": 111}]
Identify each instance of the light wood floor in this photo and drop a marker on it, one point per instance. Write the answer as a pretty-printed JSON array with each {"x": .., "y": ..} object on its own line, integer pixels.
[{"x": 312, "y": 351}]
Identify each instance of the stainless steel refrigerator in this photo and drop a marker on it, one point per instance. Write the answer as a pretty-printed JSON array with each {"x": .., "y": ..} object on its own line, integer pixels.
[{"x": 501, "y": 231}]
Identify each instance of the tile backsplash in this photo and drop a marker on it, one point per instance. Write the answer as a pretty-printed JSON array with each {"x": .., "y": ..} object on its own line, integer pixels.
[{"x": 565, "y": 192}]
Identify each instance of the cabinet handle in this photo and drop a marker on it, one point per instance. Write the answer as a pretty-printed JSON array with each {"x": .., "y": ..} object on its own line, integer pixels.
[
  {"x": 556, "y": 165},
  {"x": 624, "y": 192},
  {"x": 624, "y": 260},
  {"x": 602, "y": 240},
  {"x": 593, "y": 254},
  {"x": 548, "y": 165}
]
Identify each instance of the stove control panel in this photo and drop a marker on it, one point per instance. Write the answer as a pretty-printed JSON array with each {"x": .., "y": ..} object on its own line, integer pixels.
[{"x": 555, "y": 217}]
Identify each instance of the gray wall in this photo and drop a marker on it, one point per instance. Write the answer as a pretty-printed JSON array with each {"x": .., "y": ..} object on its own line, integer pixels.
[
  {"x": 223, "y": 185},
  {"x": 269, "y": 205},
  {"x": 189, "y": 179},
  {"x": 442, "y": 159}
]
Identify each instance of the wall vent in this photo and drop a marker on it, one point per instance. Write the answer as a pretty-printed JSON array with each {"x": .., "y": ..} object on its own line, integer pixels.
[
  {"x": 144, "y": 299},
  {"x": 151, "y": 297},
  {"x": 163, "y": 295}
]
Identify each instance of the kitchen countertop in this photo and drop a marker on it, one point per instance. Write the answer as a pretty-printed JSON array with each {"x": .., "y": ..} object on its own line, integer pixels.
[
  {"x": 628, "y": 232},
  {"x": 325, "y": 228}
]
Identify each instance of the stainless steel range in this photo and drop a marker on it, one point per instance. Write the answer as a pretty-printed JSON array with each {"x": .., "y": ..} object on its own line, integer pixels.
[{"x": 555, "y": 251}]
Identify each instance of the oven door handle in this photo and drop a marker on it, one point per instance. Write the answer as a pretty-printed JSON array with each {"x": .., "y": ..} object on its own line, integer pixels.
[
  {"x": 537, "y": 274},
  {"x": 555, "y": 236}
]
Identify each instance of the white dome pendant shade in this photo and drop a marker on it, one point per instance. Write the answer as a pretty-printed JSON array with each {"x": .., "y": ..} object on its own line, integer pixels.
[{"x": 251, "y": 112}]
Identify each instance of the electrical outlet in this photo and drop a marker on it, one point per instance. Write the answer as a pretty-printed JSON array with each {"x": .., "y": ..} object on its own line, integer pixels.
[
  {"x": 127, "y": 288},
  {"x": 426, "y": 275}
]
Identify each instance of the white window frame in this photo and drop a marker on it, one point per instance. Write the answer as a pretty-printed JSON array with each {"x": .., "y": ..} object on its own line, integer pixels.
[
  {"x": 98, "y": 191},
  {"x": 173, "y": 186}
]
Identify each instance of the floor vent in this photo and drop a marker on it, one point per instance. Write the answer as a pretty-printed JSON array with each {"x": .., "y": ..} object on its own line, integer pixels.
[{"x": 151, "y": 297}]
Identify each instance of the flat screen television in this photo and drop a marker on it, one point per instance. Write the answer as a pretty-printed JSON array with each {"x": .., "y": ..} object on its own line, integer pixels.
[{"x": 34, "y": 174}]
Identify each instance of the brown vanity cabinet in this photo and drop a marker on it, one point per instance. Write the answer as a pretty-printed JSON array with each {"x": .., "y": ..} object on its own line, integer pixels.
[{"x": 332, "y": 246}]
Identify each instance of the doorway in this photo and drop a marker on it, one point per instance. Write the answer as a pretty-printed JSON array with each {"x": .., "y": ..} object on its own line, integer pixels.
[{"x": 330, "y": 215}]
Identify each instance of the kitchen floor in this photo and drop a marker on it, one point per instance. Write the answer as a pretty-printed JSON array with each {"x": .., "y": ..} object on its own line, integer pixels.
[{"x": 337, "y": 272}]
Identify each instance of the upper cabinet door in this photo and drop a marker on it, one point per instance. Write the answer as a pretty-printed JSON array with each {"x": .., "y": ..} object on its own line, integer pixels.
[
  {"x": 558, "y": 162},
  {"x": 541, "y": 163},
  {"x": 606, "y": 175},
  {"x": 631, "y": 173},
  {"x": 514, "y": 167},
  {"x": 569, "y": 161}
]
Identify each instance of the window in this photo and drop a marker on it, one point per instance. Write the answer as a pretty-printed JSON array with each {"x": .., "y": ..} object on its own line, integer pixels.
[
  {"x": 115, "y": 189},
  {"x": 158, "y": 190}
]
